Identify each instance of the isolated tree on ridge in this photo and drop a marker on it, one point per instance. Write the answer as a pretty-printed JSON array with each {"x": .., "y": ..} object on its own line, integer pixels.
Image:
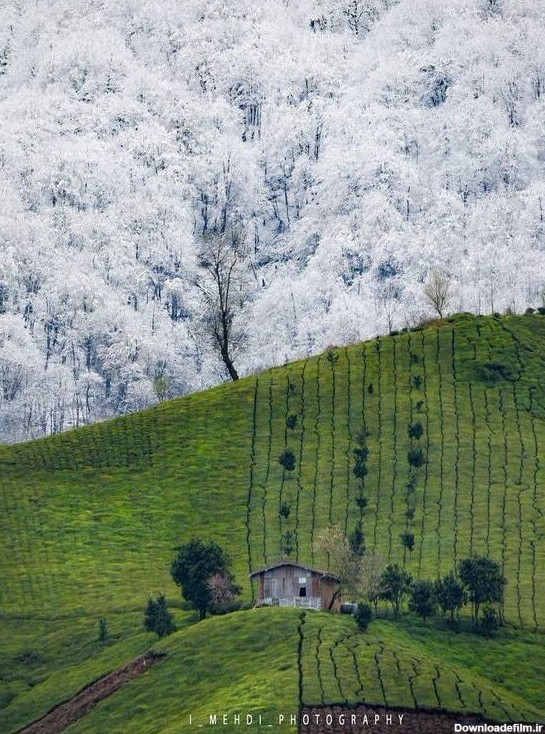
[
  {"x": 438, "y": 292},
  {"x": 222, "y": 258},
  {"x": 193, "y": 567}
]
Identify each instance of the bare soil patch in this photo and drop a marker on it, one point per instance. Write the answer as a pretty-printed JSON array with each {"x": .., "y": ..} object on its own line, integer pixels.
[
  {"x": 66, "y": 713},
  {"x": 380, "y": 720}
]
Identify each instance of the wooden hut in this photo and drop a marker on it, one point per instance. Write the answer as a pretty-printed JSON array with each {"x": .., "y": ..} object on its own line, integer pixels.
[{"x": 290, "y": 584}]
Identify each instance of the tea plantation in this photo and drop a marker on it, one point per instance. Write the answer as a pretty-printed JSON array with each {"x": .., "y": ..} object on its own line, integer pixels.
[{"x": 452, "y": 419}]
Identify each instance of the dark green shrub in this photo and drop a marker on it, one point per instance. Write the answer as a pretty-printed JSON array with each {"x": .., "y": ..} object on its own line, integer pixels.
[
  {"x": 492, "y": 372},
  {"x": 529, "y": 311},
  {"x": 284, "y": 510},
  {"x": 361, "y": 453},
  {"x": 360, "y": 470},
  {"x": 361, "y": 435},
  {"x": 419, "y": 405},
  {"x": 415, "y": 430},
  {"x": 490, "y": 621},
  {"x": 102, "y": 629},
  {"x": 450, "y": 595},
  {"x": 483, "y": 580},
  {"x": 407, "y": 540},
  {"x": 157, "y": 618},
  {"x": 541, "y": 310},
  {"x": 415, "y": 456},
  {"x": 287, "y": 459},
  {"x": 29, "y": 657},
  {"x": 287, "y": 543},
  {"x": 357, "y": 540},
  {"x": 394, "y": 584},
  {"x": 363, "y": 616},
  {"x": 370, "y": 388},
  {"x": 417, "y": 382},
  {"x": 422, "y": 598},
  {"x": 291, "y": 421},
  {"x": 362, "y": 502}
]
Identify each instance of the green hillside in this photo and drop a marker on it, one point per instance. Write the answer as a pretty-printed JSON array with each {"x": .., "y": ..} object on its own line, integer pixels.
[{"x": 89, "y": 518}]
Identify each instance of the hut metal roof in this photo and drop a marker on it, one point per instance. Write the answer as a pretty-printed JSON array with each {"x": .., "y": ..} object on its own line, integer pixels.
[{"x": 317, "y": 571}]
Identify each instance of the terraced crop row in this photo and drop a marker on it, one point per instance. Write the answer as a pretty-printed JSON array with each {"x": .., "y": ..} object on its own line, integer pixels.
[
  {"x": 340, "y": 665},
  {"x": 128, "y": 441},
  {"x": 478, "y": 490}
]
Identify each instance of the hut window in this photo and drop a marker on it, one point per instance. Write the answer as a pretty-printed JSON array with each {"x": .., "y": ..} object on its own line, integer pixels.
[{"x": 302, "y": 586}]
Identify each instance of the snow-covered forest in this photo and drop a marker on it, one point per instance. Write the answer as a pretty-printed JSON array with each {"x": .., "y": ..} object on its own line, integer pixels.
[{"x": 322, "y": 158}]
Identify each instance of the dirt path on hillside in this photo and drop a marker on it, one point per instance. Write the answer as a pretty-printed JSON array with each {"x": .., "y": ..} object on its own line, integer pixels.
[
  {"x": 66, "y": 713},
  {"x": 379, "y": 720}
]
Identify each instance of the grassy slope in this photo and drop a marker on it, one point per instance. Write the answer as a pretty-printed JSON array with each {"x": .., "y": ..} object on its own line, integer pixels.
[{"x": 88, "y": 519}]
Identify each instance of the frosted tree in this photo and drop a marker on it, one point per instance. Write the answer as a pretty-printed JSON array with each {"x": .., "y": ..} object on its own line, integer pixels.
[
  {"x": 438, "y": 291},
  {"x": 223, "y": 260}
]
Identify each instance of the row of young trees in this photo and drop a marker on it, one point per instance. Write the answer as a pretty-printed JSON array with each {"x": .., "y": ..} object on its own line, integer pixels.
[{"x": 477, "y": 580}]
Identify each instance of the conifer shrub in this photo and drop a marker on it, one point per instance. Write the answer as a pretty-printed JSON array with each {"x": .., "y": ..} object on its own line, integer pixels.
[
  {"x": 415, "y": 430},
  {"x": 490, "y": 621},
  {"x": 362, "y": 501},
  {"x": 157, "y": 618},
  {"x": 360, "y": 470},
  {"x": 287, "y": 459},
  {"x": 285, "y": 510},
  {"x": 291, "y": 421},
  {"x": 407, "y": 540},
  {"x": 102, "y": 630},
  {"x": 415, "y": 456},
  {"x": 417, "y": 382},
  {"x": 363, "y": 616}
]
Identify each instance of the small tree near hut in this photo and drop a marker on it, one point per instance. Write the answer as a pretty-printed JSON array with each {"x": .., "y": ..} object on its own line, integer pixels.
[
  {"x": 344, "y": 562},
  {"x": 195, "y": 564}
]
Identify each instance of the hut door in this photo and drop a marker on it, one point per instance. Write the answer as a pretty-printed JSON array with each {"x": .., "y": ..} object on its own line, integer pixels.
[{"x": 302, "y": 585}]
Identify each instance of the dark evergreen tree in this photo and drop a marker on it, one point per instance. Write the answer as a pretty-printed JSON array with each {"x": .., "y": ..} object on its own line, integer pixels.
[
  {"x": 157, "y": 618},
  {"x": 484, "y": 581},
  {"x": 450, "y": 595},
  {"x": 195, "y": 563},
  {"x": 150, "y": 615},
  {"x": 164, "y": 621},
  {"x": 363, "y": 616},
  {"x": 102, "y": 629},
  {"x": 287, "y": 459},
  {"x": 407, "y": 539},
  {"x": 357, "y": 540},
  {"x": 394, "y": 585},
  {"x": 422, "y": 600}
]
